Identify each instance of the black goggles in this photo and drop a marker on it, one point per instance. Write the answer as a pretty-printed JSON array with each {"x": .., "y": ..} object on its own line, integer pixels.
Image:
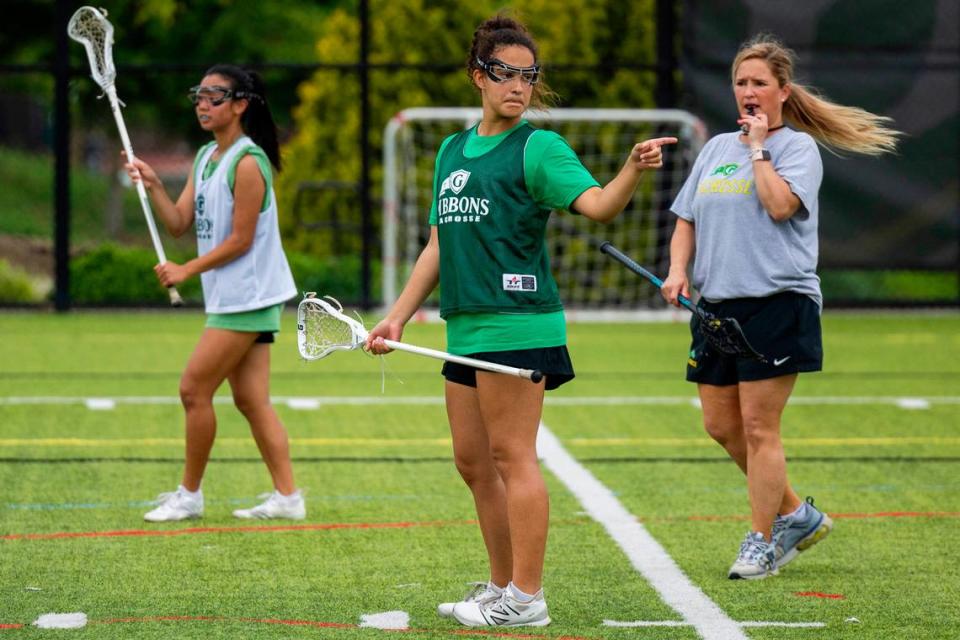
[
  {"x": 217, "y": 95},
  {"x": 214, "y": 94},
  {"x": 499, "y": 71}
]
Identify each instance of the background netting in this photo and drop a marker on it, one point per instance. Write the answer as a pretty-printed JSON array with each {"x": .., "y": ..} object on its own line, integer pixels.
[{"x": 602, "y": 140}]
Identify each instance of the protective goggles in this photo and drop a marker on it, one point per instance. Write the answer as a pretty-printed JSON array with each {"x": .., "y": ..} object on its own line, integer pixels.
[
  {"x": 499, "y": 71},
  {"x": 214, "y": 94}
]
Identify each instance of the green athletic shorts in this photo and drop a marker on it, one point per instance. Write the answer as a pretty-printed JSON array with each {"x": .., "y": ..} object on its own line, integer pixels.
[{"x": 264, "y": 321}]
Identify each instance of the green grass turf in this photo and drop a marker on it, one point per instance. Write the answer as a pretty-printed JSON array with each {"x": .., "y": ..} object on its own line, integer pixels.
[{"x": 66, "y": 468}]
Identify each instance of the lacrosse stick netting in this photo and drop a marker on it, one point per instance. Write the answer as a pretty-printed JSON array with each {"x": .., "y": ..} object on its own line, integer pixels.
[
  {"x": 90, "y": 27},
  {"x": 323, "y": 328}
]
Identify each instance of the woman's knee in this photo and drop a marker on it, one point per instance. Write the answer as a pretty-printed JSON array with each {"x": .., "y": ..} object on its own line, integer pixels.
[
  {"x": 193, "y": 395},
  {"x": 760, "y": 430},
  {"x": 475, "y": 468},
  {"x": 723, "y": 431}
]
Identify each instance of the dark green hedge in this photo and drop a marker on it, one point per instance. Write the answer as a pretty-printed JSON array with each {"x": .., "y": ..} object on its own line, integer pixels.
[{"x": 115, "y": 275}]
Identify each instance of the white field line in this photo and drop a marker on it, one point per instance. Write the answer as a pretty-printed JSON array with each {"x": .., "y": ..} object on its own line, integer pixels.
[
  {"x": 644, "y": 552},
  {"x": 315, "y": 402},
  {"x": 748, "y": 623}
]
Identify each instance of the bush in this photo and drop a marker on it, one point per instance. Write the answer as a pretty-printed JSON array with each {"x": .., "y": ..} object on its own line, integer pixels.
[
  {"x": 15, "y": 285},
  {"x": 337, "y": 276},
  {"x": 111, "y": 274}
]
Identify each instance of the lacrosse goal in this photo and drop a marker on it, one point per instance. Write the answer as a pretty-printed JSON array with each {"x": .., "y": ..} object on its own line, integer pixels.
[{"x": 602, "y": 138}]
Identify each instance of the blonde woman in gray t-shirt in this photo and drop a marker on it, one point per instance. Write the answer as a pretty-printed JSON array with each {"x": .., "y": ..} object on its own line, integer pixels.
[{"x": 749, "y": 210}]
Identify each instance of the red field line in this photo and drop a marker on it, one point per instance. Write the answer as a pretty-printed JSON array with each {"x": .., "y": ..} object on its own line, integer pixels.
[
  {"x": 248, "y": 529},
  {"x": 817, "y": 594},
  {"x": 880, "y": 514},
  {"x": 318, "y": 624}
]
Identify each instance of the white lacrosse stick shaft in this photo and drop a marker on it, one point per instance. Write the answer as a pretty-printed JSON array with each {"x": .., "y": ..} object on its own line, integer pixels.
[
  {"x": 312, "y": 315},
  {"x": 529, "y": 374},
  {"x": 90, "y": 27},
  {"x": 111, "y": 92}
]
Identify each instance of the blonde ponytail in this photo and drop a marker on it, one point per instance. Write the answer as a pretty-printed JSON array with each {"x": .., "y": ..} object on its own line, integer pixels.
[{"x": 836, "y": 126}]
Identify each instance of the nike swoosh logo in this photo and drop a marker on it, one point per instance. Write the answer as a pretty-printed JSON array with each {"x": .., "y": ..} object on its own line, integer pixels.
[{"x": 779, "y": 361}]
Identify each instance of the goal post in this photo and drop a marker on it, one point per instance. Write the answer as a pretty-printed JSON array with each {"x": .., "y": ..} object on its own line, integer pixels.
[{"x": 588, "y": 280}]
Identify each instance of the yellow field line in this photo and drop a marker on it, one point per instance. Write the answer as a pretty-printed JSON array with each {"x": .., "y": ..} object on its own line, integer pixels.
[{"x": 414, "y": 442}]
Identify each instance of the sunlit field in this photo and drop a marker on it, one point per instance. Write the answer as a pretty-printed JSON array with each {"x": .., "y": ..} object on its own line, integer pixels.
[{"x": 91, "y": 432}]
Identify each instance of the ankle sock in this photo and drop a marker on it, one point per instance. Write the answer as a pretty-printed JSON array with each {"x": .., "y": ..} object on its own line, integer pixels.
[
  {"x": 194, "y": 495},
  {"x": 521, "y": 596}
]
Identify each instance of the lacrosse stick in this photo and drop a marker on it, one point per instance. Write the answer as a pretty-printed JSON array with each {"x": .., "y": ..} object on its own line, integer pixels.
[
  {"x": 323, "y": 328},
  {"x": 725, "y": 334},
  {"x": 90, "y": 27}
]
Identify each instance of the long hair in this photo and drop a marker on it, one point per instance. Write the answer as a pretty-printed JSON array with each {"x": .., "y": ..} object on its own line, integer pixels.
[
  {"x": 503, "y": 31},
  {"x": 834, "y": 125},
  {"x": 257, "y": 121}
]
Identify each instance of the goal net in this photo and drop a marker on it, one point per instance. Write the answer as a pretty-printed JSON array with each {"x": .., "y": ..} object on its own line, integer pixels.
[{"x": 588, "y": 280}]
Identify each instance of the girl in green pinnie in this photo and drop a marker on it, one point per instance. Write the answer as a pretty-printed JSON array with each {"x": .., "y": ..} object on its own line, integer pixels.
[{"x": 495, "y": 185}]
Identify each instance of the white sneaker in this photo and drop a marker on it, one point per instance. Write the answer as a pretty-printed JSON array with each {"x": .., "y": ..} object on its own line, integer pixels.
[
  {"x": 506, "y": 611},
  {"x": 756, "y": 559},
  {"x": 480, "y": 592},
  {"x": 275, "y": 505},
  {"x": 176, "y": 505}
]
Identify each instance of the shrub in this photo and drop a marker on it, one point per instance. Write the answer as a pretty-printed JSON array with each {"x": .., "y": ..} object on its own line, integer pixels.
[
  {"x": 337, "y": 276},
  {"x": 15, "y": 285},
  {"x": 115, "y": 275}
]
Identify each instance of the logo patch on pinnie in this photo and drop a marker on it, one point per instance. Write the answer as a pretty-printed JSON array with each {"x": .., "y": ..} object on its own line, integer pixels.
[{"x": 519, "y": 282}]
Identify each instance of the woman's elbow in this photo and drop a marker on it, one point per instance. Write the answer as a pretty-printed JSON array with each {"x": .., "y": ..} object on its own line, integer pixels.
[{"x": 782, "y": 213}]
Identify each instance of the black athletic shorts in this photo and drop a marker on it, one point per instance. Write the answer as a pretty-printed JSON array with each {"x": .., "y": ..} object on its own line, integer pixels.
[
  {"x": 265, "y": 337},
  {"x": 554, "y": 362},
  {"x": 784, "y": 327}
]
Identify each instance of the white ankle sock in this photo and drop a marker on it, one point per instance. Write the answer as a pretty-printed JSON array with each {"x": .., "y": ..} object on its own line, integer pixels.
[
  {"x": 497, "y": 590},
  {"x": 520, "y": 596},
  {"x": 195, "y": 495},
  {"x": 798, "y": 511}
]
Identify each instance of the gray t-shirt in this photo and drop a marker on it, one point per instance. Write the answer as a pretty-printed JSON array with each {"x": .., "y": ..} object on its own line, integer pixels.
[{"x": 741, "y": 252}]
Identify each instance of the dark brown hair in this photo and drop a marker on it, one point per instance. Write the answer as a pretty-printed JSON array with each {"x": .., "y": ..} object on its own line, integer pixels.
[
  {"x": 257, "y": 121},
  {"x": 503, "y": 31}
]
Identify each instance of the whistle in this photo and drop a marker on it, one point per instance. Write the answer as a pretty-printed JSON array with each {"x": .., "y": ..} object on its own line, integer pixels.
[{"x": 745, "y": 128}]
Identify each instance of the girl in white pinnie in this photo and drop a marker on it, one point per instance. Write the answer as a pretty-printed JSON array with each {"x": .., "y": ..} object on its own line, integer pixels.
[{"x": 229, "y": 199}]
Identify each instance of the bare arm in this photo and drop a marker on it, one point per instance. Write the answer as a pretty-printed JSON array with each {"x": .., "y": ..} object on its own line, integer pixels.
[
  {"x": 774, "y": 192},
  {"x": 248, "y": 193},
  {"x": 603, "y": 205},
  {"x": 176, "y": 217},
  {"x": 682, "y": 246},
  {"x": 423, "y": 280}
]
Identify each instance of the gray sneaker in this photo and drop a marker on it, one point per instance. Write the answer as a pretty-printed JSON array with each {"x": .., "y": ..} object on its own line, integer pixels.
[
  {"x": 482, "y": 592},
  {"x": 505, "y": 611},
  {"x": 793, "y": 534},
  {"x": 756, "y": 559}
]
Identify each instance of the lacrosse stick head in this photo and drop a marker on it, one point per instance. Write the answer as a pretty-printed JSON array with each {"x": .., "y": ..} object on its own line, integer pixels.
[
  {"x": 90, "y": 27},
  {"x": 323, "y": 328},
  {"x": 726, "y": 336}
]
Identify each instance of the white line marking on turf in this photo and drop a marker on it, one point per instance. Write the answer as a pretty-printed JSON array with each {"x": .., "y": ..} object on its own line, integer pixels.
[
  {"x": 315, "y": 402},
  {"x": 913, "y": 403},
  {"x": 61, "y": 621},
  {"x": 101, "y": 404},
  {"x": 674, "y": 623},
  {"x": 386, "y": 620},
  {"x": 644, "y": 552}
]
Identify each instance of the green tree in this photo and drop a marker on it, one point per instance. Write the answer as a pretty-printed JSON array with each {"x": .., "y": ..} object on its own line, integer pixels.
[{"x": 602, "y": 34}]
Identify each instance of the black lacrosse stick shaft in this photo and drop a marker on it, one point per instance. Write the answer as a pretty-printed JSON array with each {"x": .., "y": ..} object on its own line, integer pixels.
[{"x": 723, "y": 333}]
